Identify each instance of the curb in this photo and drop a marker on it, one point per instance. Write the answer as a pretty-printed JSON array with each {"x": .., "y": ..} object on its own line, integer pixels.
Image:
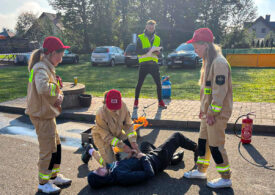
[{"x": 154, "y": 123}]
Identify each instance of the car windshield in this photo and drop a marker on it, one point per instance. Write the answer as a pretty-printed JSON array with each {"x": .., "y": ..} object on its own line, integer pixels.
[
  {"x": 185, "y": 47},
  {"x": 101, "y": 50},
  {"x": 131, "y": 48}
]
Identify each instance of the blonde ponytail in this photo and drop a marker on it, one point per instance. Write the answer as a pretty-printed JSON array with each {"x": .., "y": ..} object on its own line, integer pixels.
[{"x": 35, "y": 57}]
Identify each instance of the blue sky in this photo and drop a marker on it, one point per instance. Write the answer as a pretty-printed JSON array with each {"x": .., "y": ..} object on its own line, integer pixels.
[{"x": 12, "y": 9}]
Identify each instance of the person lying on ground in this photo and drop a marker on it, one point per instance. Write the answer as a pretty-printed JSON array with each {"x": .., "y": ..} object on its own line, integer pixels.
[{"x": 140, "y": 167}]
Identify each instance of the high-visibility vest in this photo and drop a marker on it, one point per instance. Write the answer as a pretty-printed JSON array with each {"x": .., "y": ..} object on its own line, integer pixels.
[{"x": 146, "y": 44}]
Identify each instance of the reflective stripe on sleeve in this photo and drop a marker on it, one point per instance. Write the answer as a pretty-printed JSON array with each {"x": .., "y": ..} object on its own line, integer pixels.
[
  {"x": 203, "y": 161},
  {"x": 114, "y": 141},
  {"x": 53, "y": 87},
  {"x": 101, "y": 161},
  {"x": 223, "y": 169},
  {"x": 207, "y": 91},
  {"x": 215, "y": 108},
  {"x": 31, "y": 76},
  {"x": 132, "y": 134}
]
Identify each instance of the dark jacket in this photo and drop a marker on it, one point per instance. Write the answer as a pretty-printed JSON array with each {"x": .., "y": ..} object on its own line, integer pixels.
[{"x": 126, "y": 172}]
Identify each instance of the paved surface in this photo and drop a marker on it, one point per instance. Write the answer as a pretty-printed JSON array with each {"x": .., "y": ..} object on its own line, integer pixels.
[
  {"x": 180, "y": 113},
  {"x": 253, "y": 166}
]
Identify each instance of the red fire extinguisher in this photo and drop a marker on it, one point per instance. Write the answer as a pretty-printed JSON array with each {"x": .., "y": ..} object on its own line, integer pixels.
[{"x": 247, "y": 126}]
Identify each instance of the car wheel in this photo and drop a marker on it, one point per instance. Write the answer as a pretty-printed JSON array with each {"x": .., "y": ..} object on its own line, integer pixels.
[
  {"x": 94, "y": 64},
  {"x": 112, "y": 63}
]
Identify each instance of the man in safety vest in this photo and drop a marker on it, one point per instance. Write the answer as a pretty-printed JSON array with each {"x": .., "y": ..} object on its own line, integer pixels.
[{"x": 148, "y": 49}]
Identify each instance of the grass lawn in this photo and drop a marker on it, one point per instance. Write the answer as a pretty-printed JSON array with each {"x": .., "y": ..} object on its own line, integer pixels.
[{"x": 249, "y": 84}]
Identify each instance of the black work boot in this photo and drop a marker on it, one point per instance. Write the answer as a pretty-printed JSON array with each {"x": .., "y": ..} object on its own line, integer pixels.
[
  {"x": 177, "y": 158},
  {"x": 85, "y": 157}
]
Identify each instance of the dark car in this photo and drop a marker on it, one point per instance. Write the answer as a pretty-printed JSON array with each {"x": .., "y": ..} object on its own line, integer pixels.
[
  {"x": 185, "y": 56},
  {"x": 132, "y": 59},
  {"x": 131, "y": 55},
  {"x": 108, "y": 55},
  {"x": 70, "y": 57}
]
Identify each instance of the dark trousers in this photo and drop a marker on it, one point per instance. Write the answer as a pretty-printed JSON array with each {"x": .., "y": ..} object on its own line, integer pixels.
[
  {"x": 145, "y": 69},
  {"x": 163, "y": 154}
]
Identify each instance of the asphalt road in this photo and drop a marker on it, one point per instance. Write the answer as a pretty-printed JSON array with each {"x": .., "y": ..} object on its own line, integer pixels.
[{"x": 253, "y": 166}]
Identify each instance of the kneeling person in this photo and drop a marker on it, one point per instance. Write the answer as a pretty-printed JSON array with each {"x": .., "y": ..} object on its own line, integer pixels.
[{"x": 114, "y": 128}]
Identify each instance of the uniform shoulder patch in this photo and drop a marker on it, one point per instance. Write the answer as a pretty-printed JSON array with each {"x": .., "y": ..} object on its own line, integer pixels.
[{"x": 220, "y": 79}]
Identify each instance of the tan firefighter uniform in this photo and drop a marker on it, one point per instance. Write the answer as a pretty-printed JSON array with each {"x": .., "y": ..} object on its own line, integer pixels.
[
  {"x": 108, "y": 132},
  {"x": 43, "y": 92},
  {"x": 216, "y": 100}
]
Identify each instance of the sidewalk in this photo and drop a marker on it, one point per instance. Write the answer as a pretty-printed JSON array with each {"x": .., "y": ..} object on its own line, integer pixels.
[{"x": 179, "y": 114}]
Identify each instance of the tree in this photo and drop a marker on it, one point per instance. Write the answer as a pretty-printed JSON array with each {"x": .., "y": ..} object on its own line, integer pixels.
[
  {"x": 253, "y": 43},
  {"x": 223, "y": 16},
  {"x": 266, "y": 43},
  {"x": 238, "y": 38},
  {"x": 258, "y": 44},
  {"x": 262, "y": 43},
  {"x": 24, "y": 22},
  {"x": 241, "y": 11},
  {"x": 76, "y": 20}
]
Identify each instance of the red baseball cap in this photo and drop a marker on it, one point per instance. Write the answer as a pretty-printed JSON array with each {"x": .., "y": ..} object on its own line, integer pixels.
[
  {"x": 202, "y": 34},
  {"x": 113, "y": 99},
  {"x": 53, "y": 44}
]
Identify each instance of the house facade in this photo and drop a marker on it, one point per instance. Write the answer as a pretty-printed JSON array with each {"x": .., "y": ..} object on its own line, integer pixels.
[
  {"x": 47, "y": 24},
  {"x": 261, "y": 27}
]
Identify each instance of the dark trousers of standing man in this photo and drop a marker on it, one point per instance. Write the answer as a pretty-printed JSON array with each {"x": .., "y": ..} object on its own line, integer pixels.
[{"x": 145, "y": 69}]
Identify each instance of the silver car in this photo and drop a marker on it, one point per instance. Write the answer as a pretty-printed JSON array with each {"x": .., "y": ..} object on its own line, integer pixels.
[{"x": 108, "y": 55}]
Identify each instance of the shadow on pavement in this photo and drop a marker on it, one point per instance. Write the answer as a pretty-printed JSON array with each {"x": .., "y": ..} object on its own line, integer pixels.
[
  {"x": 151, "y": 137},
  {"x": 158, "y": 114},
  {"x": 256, "y": 156},
  {"x": 83, "y": 171}
]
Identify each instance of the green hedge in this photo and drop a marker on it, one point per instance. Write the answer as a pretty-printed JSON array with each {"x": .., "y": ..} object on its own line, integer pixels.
[{"x": 248, "y": 51}]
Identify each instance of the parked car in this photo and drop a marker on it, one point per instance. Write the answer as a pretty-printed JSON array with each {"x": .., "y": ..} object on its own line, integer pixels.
[
  {"x": 131, "y": 55},
  {"x": 22, "y": 58},
  {"x": 184, "y": 55},
  {"x": 132, "y": 59},
  {"x": 109, "y": 55},
  {"x": 70, "y": 57}
]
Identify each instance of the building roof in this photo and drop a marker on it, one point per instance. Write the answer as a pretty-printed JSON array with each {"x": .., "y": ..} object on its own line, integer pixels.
[
  {"x": 7, "y": 33},
  {"x": 265, "y": 21}
]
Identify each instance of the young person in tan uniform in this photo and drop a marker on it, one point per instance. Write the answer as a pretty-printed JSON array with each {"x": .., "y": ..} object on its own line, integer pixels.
[
  {"x": 44, "y": 100},
  {"x": 215, "y": 111},
  {"x": 114, "y": 128}
]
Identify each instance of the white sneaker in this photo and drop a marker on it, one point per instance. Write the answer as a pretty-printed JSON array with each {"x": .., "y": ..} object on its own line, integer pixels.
[
  {"x": 48, "y": 188},
  {"x": 61, "y": 180},
  {"x": 194, "y": 174},
  {"x": 220, "y": 183}
]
